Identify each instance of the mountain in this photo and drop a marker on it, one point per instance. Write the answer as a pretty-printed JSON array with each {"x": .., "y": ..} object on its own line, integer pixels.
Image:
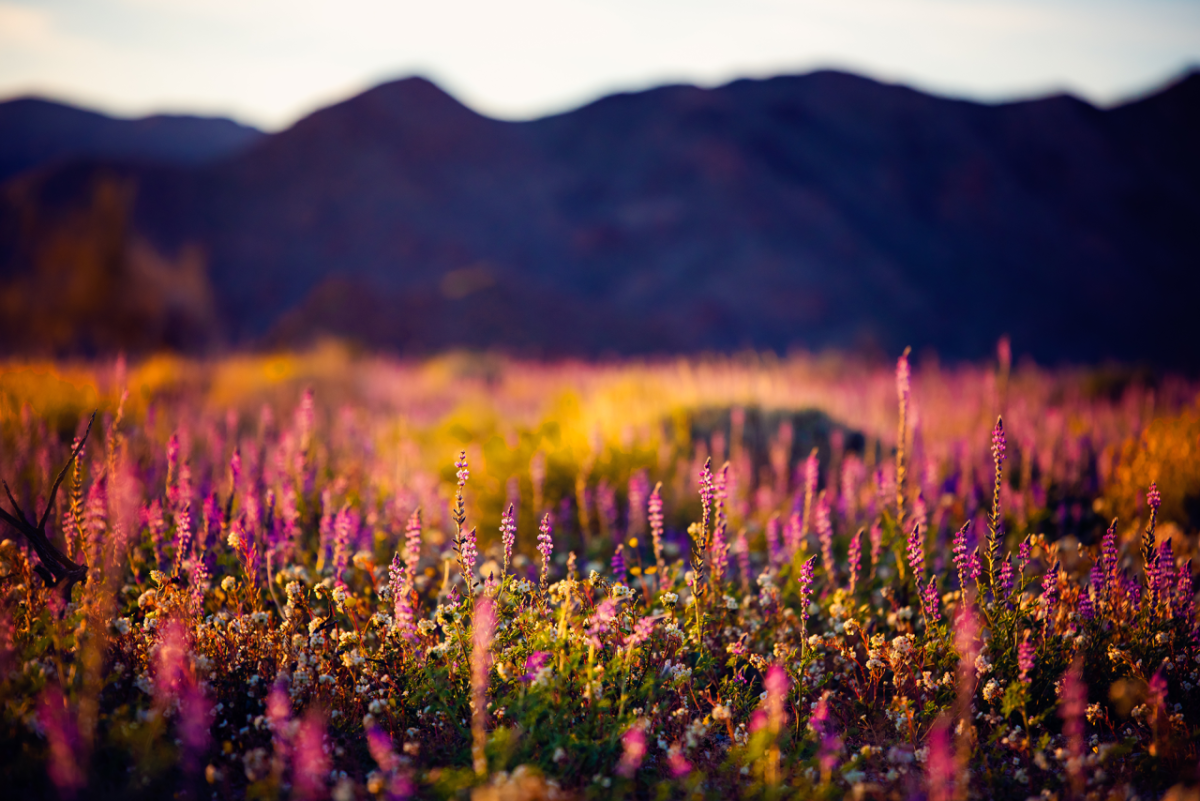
[
  {"x": 816, "y": 210},
  {"x": 35, "y": 132}
]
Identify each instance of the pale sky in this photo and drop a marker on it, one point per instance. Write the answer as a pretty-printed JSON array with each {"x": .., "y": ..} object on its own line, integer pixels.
[{"x": 269, "y": 62}]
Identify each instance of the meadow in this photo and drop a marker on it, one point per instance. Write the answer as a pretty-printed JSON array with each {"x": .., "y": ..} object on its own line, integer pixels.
[{"x": 329, "y": 574}]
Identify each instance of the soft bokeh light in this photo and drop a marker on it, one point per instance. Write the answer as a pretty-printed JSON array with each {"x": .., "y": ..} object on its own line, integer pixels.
[{"x": 269, "y": 61}]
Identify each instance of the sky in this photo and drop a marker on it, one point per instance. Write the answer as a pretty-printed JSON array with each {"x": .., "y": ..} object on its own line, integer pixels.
[{"x": 269, "y": 62}]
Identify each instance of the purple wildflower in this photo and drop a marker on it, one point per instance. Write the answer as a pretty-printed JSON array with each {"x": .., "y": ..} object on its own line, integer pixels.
[
  {"x": 642, "y": 630},
  {"x": 774, "y": 547},
  {"x": 639, "y": 490},
  {"x": 792, "y": 534},
  {"x": 876, "y": 534},
  {"x": 707, "y": 491},
  {"x": 655, "y": 518},
  {"x": 930, "y": 602},
  {"x": 1050, "y": 591},
  {"x": 633, "y": 749},
  {"x": 1024, "y": 556},
  {"x": 940, "y": 767},
  {"x": 1086, "y": 609},
  {"x": 742, "y": 548},
  {"x": 916, "y": 553},
  {"x": 468, "y": 552},
  {"x": 805, "y": 579},
  {"x": 1006, "y": 578},
  {"x": 960, "y": 554},
  {"x": 824, "y": 527},
  {"x": 312, "y": 763},
  {"x": 1108, "y": 550},
  {"x": 412, "y": 545},
  {"x": 812, "y": 469},
  {"x": 618, "y": 564},
  {"x": 854, "y": 558},
  {"x": 545, "y": 545},
  {"x": 508, "y": 534},
  {"x": 535, "y": 663},
  {"x": 341, "y": 543},
  {"x": 1185, "y": 598},
  {"x": 1164, "y": 576}
]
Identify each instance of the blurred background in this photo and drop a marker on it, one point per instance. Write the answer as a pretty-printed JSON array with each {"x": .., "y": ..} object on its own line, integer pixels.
[{"x": 596, "y": 179}]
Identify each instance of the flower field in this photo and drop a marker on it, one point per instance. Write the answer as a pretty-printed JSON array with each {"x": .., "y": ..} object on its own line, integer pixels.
[{"x": 332, "y": 575}]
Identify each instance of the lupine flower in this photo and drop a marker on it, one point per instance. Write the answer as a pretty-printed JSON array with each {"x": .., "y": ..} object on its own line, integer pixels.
[
  {"x": 876, "y": 534},
  {"x": 742, "y": 548},
  {"x": 940, "y": 769},
  {"x": 812, "y": 469},
  {"x": 618, "y": 564},
  {"x": 311, "y": 763},
  {"x": 1006, "y": 578},
  {"x": 639, "y": 491},
  {"x": 655, "y": 518},
  {"x": 774, "y": 547},
  {"x": 1085, "y": 608},
  {"x": 1108, "y": 550},
  {"x": 412, "y": 545},
  {"x": 379, "y": 743},
  {"x": 793, "y": 533},
  {"x": 825, "y": 536},
  {"x": 341, "y": 543},
  {"x": 776, "y": 684},
  {"x": 829, "y": 743},
  {"x": 62, "y": 735},
  {"x": 960, "y": 555},
  {"x": 1024, "y": 556},
  {"x": 481, "y": 661},
  {"x": 930, "y": 601},
  {"x": 707, "y": 491},
  {"x": 468, "y": 553},
  {"x": 854, "y": 559},
  {"x": 805, "y": 579},
  {"x": 903, "y": 391},
  {"x": 1025, "y": 656},
  {"x": 633, "y": 749},
  {"x": 1050, "y": 590},
  {"x": 920, "y": 514},
  {"x": 1072, "y": 709},
  {"x": 401, "y": 602},
  {"x": 916, "y": 553},
  {"x": 508, "y": 534},
  {"x": 545, "y": 545},
  {"x": 1185, "y": 597}
]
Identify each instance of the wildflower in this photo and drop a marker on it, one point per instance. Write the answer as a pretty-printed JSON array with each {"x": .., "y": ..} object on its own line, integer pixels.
[
  {"x": 960, "y": 554},
  {"x": 618, "y": 564},
  {"x": 805, "y": 580},
  {"x": 825, "y": 535},
  {"x": 1006, "y": 578},
  {"x": 854, "y": 558},
  {"x": 228, "y": 584},
  {"x": 412, "y": 545},
  {"x": 508, "y": 534},
  {"x": 929, "y": 602},
  {"x": 545, "y": 545},
  {"x": 1025, "y": 657},
  {"x": 633, "y": 749},
  {"x": 916, "y": 553},
  {"x": 655, "y": 516},
  {"x": 341, "y": 542},
  {"x": 669, "y": 599}
]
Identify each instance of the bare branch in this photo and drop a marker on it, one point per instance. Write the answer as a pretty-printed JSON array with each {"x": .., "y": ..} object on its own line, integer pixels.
[
  {"x": 16, "y": 506},
  {"x": 63, "y": 473}
]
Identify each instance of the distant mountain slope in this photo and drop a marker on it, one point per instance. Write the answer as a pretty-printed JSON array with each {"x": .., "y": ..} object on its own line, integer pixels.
[
  {"x": 34, "y": 131},
  {"x": 816, "y": 210}
]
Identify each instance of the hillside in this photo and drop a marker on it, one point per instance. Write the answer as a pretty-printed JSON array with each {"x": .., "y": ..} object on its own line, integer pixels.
[{"x": 817, "y": 210}]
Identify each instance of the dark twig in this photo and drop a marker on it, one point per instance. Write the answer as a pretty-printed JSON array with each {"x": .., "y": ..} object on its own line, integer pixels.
[{"x": 55, "y": 565}]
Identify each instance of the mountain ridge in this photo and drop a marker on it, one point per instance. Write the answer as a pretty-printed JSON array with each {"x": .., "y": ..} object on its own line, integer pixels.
[{"x": 821, "y": 210}]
